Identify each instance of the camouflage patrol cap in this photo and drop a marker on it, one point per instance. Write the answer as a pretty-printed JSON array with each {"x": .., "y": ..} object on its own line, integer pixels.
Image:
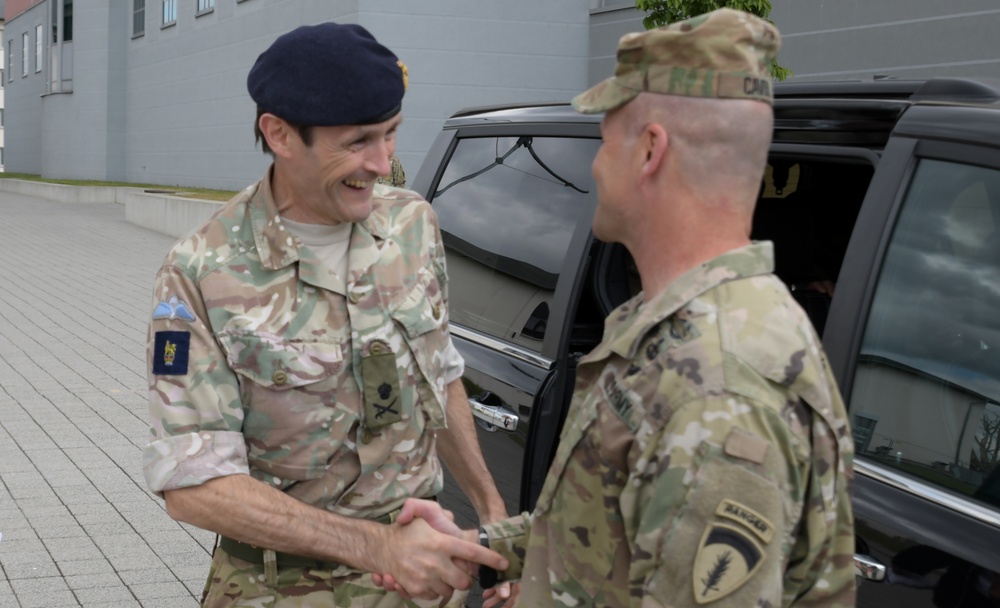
[{"x": 722, "y": 54}]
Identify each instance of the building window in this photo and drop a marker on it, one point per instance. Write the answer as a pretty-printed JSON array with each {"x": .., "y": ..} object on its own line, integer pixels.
[
  {"x": 205, "y": 6},
  {"x": 138, "y": 17},
  {"x": 169, "y": 11},
  {"x": 10, "y": 60},
  {"x": 39, "y": 37},
  {"x": 67, "y": 20},
  {"x": 24, "y": 54},
  {"x": 1, "y": 117}
]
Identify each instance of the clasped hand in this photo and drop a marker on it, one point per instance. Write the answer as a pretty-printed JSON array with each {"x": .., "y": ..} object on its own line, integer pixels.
[{"x": 464, "y": 555}]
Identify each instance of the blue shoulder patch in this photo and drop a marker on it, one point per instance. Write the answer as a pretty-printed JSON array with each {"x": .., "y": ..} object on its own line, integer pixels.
[
  {"x": 173, "y": 309},
  {"x": 170, "y": 353}
]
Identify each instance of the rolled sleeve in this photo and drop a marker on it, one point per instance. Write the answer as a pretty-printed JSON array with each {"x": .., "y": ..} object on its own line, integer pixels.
[
  {"x": 454, "y": 364},
  {"x": 195, "y": 409},
  {"x": 509, "y": 538},
  {"x": 191, "y": 459}
]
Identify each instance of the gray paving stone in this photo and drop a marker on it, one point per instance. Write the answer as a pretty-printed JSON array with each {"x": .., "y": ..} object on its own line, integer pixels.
[
  {"x": 91, "y": 581},
  {"x": 90, "y": 567},
  {"x": 105, "y": 595}
]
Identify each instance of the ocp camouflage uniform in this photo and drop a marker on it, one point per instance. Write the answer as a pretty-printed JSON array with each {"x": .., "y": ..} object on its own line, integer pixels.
[
  {"x": 706, "y": 458},
  {"x": 264, "y": 362},
  {"x": 396, "y": 177}
]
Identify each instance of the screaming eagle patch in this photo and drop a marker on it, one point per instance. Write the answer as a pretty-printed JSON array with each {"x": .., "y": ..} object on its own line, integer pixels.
[{"x": 727, "y": 558}]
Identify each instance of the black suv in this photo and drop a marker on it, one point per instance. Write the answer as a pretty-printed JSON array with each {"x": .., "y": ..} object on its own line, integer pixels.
[{"x": 888, "y": 189}]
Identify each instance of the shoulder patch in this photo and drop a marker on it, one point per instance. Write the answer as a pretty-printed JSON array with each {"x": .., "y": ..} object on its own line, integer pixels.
[
  {"x": 172, "y": 309},
  {"x": 170, "y": 353},
  {"x": 754, "y": 521},
  {"x": 727, "y": 558}
]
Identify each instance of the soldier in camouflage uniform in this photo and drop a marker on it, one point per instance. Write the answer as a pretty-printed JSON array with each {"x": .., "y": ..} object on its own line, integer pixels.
[
  {"x": 301, "y": 369},
  {"x": 396, "y": 177},
  {"x": 706, "y": 458}
]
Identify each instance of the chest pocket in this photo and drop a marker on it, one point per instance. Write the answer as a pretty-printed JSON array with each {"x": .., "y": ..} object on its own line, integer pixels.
[
  {"x": 293, "y": 422},
  {"x": 423, "y": 317}
]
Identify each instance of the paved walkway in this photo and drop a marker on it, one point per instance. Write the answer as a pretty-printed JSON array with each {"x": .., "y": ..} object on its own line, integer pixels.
[{"x": 78, "y": 526}]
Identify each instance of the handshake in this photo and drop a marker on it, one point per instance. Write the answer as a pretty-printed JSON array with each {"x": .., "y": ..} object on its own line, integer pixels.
[{"x": 428, "y": 565}]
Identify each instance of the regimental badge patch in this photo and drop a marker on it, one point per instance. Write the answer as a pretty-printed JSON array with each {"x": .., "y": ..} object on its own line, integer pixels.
[
  {"x": 170, "y": 353},
  {"x": 173, "y": 309},
  {"x": 727, "y": 558}
]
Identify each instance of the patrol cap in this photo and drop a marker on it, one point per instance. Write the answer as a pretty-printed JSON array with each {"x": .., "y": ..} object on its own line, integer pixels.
[
  {"x": 722, "y": 54},
  {"x": 327, "y": 75}
]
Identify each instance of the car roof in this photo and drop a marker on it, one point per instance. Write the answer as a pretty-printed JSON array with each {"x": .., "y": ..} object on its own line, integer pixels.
[{"x": 851, "y": 113}]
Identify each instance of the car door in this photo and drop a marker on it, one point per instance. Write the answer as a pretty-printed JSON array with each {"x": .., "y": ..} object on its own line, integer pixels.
[
  {"x": 914, "y": 338},
  {"x": 514, "y": 204}
]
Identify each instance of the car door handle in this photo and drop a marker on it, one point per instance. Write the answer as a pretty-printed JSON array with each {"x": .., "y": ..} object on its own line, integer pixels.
[
  {"x": 869, "y": 568},
  {"x": 495, "y": 416}
]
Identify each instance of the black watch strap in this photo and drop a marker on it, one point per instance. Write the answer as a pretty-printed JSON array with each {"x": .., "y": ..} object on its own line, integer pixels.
[{"x": 488, "y": 577}]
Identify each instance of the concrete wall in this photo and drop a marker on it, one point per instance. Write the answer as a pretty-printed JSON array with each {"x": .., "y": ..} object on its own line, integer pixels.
[
  {"x": 607, "y": 25},
  {"x": 462, "y": 54},
  {"x": 23, "y": 97},
  {"x": 840, "y": 39},
  {"x": 170, "y": 106},
  {"x": 78, "y": 127}
]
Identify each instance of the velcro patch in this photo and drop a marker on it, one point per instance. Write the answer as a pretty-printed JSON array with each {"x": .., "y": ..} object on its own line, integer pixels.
[
  {"x": 170, "y": 353},
  {"x": 741, "y": 444},
  {"x": 620, "y": 401}
]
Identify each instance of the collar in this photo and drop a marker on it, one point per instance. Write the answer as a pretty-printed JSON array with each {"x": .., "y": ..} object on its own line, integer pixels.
[
  {"x": 277, "y": 246},
  {"x": 628, "y": 324}
]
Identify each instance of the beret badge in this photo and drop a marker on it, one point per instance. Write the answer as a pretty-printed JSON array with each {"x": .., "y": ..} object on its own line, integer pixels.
[{"x": 406, "y": 74}]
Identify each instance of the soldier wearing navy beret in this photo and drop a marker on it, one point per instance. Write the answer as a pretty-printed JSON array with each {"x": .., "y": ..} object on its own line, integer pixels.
[{"x": 301, "y": 370}]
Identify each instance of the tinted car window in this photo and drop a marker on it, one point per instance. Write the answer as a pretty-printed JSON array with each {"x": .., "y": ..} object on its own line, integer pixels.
[
  {"x": 926, "y": 396},
  {"x": 508, "y": 207}
]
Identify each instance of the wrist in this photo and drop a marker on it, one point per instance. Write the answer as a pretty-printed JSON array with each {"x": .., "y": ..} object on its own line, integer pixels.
[{"x": 488, "y": 577}]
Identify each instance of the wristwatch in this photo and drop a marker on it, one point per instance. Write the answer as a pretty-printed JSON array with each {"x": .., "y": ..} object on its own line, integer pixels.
[{"x": 488, "y": 577}]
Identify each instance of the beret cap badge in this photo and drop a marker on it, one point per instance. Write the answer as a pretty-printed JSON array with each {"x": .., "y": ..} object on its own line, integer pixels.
[{"x": 406, "y": 75}]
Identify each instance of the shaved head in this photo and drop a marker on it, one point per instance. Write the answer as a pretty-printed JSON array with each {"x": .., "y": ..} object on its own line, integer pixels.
[{"x": 719, "y": 144}]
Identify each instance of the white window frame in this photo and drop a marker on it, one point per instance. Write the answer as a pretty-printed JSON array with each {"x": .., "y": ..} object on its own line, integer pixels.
[
  {"x": 10, "y": 60},
  {"x": 204, "y": 6},
  {"x": 169, "y": 12},
  {"x": 39, "y": 46},
  {"x": 25, "y": 45}
]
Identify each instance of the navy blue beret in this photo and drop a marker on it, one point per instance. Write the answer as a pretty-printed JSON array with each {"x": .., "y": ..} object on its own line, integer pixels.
[{"x": 326, "y": 75}]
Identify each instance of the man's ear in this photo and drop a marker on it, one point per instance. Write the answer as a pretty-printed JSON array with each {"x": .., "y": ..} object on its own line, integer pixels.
[
  {"x": 278, "y": 133},
  {"x": 652, "y": 144}
]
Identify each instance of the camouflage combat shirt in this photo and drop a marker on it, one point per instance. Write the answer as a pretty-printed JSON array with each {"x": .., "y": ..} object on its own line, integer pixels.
[
  {"x": 263, "y": 362},
  {"x": 706, "y": 458}
]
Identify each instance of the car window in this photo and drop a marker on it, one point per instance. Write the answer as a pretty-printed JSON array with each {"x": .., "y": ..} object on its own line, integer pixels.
[
  {"x": 508, "y": 207},
  {"x": 926, "y": 394}
]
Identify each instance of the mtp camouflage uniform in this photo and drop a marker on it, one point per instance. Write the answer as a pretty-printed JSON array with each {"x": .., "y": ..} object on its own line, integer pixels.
[
  {"x": 706, "y": 458},
  {"x": 264, "y": 362}
]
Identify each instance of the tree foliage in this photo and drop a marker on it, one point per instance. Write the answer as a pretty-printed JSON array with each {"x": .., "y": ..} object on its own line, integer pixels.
[{"x": 663, "y": 12}]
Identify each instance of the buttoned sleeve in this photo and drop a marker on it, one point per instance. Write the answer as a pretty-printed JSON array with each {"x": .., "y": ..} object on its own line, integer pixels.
[{"x": 194, "y": 397}]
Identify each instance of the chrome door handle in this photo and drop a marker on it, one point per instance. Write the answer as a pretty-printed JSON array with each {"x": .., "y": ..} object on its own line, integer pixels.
[
  {"x": 867, "y": 567},
  {"x": 495, "y": 416}
]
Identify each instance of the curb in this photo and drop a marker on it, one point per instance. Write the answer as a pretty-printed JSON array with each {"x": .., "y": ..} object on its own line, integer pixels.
[{"x": 167, "y": 214}]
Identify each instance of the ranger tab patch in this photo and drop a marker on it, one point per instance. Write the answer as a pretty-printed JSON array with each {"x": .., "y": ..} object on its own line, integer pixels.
[{"x": 170, "y": 353}]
